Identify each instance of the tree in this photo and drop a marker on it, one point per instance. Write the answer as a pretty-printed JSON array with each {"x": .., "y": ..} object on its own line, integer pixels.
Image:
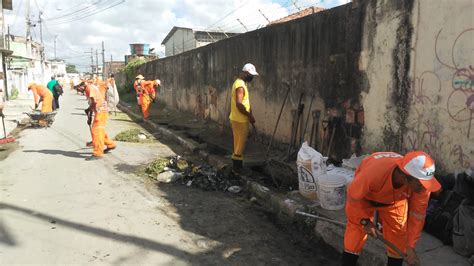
[{"x": 70, "y": 68}]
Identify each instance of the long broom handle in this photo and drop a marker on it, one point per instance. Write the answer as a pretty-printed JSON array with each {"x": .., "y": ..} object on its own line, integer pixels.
[{"x": 278, "y": 120}]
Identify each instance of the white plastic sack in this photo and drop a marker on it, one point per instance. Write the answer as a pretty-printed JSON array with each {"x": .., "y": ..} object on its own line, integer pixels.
[
  {"x": 112, "y": 97},
  {"x": 310, "y": 165}
]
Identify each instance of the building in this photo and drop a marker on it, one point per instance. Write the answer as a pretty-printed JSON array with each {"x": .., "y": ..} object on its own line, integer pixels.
[
  {"x": 4, "y": 51},
  {"x": 113, "y": 67},
  {"x": 57, "y": 67},
  {"x": 181, "y": 39}
]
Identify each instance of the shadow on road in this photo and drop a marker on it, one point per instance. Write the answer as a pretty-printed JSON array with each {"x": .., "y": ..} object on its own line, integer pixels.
[
  {"x": 72, "y": 154},
  {"x": 81, "y": 114},
  {"x": 130, "y": 239}
]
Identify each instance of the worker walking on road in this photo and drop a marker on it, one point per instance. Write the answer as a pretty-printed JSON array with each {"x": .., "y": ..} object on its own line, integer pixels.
[
  {"x": 138, "y": 87},
  {"x": 100, "y": 139},
  {"x": 241, "y": 114},
  {"x": 398, "y": 187},
  {"x": 148, "y": 95}
]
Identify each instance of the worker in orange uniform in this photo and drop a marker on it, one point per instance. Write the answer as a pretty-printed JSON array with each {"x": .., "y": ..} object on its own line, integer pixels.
[
  {"x": 241, "y": 114},
  {"x": 100, "y": 139},
  {"x": 42, "y": 93},
  {"x": 138, "y": 87},
  {"x": 398, "y": 187},
  {"x": 148, "y": 95}
]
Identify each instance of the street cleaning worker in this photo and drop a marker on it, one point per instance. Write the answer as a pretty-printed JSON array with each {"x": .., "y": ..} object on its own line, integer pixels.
[
  {"x": 113, "y": 97},
  {"x": 241, "y": 114},
  {"x": 148, "y": 95},
  {"x": 42, "y": 94},
  {"x": 138, "y": 87},
  {"x": 399, "y": 188},
  {"x": 53, "y": 82},
  {"x": 100, "y": 139}
]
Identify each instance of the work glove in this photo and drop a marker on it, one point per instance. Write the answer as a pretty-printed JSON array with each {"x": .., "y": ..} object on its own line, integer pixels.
[{"x": 412, "y": 258}]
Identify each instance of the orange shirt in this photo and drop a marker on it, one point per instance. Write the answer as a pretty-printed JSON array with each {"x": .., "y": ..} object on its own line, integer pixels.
[
  {"x": 39, "y": 91},
  {"x": 148, "y": 87},
  {"x": 373, "y": 182},
  {"x": 99, "y": 99}
]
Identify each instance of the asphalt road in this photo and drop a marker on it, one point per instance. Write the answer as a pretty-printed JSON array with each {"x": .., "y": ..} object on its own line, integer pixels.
[{"x": 57, "y": 208}]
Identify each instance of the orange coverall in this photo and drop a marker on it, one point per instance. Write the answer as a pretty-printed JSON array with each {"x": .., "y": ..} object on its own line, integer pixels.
[
  {"x": 401, "y": 211},
  {"x": 43, "y": 92},
  {"x": 138, "y": 89},
  {"x": 147, "y": 96},
  {"x": 100, "y": 139}
]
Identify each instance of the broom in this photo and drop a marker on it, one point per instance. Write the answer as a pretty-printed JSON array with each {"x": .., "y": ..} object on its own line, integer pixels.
[{"x": 5, "y": 140}]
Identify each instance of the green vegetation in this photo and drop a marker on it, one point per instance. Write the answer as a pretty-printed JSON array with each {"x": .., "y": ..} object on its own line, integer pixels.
[
  {"x": 131, "y": 70},
  {"x": 156, "y": 167},
  {"x": 132, "y": 135},
  {"x": 70, "y": 68},
  {"x": 14, "y": 93}
]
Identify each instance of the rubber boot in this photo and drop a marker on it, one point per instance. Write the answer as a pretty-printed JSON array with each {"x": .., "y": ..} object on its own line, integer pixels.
[
  {"x": 349, "y": 259},
  {"x": 394, "y": 261},
  {"x": 237, "y": 165}
]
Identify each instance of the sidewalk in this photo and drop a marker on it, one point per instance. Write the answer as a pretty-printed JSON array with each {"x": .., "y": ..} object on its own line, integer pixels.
[
  {"x": 284, "y": 204},
  {"x": 14, "y": 113}
]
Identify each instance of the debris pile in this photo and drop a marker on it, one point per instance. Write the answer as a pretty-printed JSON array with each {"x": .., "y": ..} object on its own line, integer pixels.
[
  {"x": 205, "y": 177},
  {"x": 134, "y": 135}
]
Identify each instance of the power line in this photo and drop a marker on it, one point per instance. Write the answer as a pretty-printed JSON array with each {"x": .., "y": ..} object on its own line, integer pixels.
[
  {"x": 85, "y": 15},
  {"x": 74, "y": 12}
]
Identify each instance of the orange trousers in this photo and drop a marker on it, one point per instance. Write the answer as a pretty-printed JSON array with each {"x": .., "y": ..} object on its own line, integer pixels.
[
  {"x": 47, "y": 105},
  {"x": 100, "y": 139},
  {"x": 146, "y": 105},
  {"x": 393, "y": 219},
  {"x": 240, "y": 132}
]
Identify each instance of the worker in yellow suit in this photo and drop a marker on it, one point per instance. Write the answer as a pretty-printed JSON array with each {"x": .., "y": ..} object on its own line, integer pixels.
[
  {"x": 100, "y": 139},
  {"x": 148, "y": 95},
  {"x": 241, "y": 114}
]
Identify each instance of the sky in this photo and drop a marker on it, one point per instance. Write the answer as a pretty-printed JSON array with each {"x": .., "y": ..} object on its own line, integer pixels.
[{"x": 81, "y": 25}]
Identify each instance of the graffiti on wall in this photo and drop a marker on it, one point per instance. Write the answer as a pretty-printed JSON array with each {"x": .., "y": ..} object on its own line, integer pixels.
[
  {"x": 433, "y": 95},
  {"x": 460, "y": 103}
]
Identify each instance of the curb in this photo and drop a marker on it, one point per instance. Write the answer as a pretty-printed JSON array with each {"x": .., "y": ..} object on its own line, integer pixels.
[{"x": 283, "y": 206}]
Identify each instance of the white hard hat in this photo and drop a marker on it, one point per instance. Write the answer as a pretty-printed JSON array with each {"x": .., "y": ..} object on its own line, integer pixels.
[
  {"x": 250, "y": 68},
  {"x": 158, "y": 82}
]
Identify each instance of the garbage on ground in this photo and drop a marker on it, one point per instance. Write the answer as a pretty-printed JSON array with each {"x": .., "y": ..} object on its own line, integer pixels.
[
  {"x": 202, "y": 176},
  {"x": 133, "y": 135},
  {"x": 234, "y": 189},
  {"x": 310, "y": 165}
]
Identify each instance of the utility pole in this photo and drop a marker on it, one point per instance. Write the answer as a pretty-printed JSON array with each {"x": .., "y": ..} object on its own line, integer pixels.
[
  {"x": 96, "y": 62},
  {"x": 92, "y": 60},
  {"x": 103, "y": 61},
  {"x": 27, "y": 20},
  {"x": 55, "y": 37},
  {"x": 42, "y": 44}
]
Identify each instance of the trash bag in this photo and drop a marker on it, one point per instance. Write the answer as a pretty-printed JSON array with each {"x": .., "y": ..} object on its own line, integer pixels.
[
  {"x": 310, "y": 165},
  {"x": 440, "y": 214},
  {"x": 463, "y": 229}
]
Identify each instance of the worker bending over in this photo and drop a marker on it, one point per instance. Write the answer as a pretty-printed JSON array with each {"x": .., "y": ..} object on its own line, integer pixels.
[
  {"x": 42, "y": 94},
  {"x": 399, "y": 188},
  {"x": 148, "y": 95}
]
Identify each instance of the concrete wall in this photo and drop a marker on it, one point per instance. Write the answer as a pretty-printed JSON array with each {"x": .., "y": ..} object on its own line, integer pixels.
[
  {"x": 397, "y": 73},
  {"x": 421, "y": 62}
]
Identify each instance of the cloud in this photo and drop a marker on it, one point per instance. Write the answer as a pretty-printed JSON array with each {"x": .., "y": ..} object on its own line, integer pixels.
[{"x": 136, "y": 21}]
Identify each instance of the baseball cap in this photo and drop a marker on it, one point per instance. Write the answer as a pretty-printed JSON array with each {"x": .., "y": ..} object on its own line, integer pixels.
[
  {"x": 250, "y": 68},
  {"x": 421, "y": 166}
]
